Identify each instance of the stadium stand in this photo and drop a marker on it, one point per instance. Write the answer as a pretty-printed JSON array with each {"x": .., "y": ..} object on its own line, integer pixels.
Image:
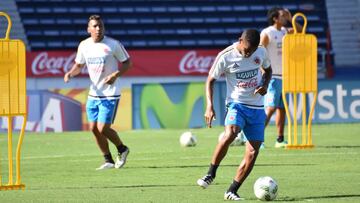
[
  {"x": 149, "y": 24},
  {"x": 155, "y": 24}
]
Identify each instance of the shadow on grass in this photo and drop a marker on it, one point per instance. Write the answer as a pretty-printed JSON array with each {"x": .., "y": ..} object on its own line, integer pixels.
[
  {"x": 121, "y": 187},
  {"x": 285, "y": 199},
  {"x": 340, "y": 146},
  {"x": 222, "y": 165}
]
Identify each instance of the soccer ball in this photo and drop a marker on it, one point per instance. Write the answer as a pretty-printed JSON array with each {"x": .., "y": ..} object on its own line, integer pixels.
[
  {"x": 265, "y": 188},
  {"x": 187, "y": 139},
  {"x": 238, "y": 141}
]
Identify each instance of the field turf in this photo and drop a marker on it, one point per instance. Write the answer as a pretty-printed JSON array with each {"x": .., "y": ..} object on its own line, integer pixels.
[{"x": 60, "y": 167}]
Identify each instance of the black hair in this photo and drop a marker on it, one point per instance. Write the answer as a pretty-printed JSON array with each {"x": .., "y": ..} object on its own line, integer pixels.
[
  {"x": 251, "y": 36},
  {"x": 273, "y": 13}
]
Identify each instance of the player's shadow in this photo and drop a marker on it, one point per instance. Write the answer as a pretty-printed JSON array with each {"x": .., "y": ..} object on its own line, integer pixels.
[
  {"x": 340, "y": 146},
  {"x": 312, "y": 198},
  {"x": 223, "y": 165}
]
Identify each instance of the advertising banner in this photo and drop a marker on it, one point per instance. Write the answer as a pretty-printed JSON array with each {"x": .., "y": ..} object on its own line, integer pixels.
[
  {"x": 147, "y": 63},
  {"x": 181, "y": 105},
  {"x": 48, "y": 112}
]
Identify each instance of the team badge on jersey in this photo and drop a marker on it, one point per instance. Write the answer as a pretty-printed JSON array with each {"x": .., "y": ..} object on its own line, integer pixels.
[
  {"x": 106, "y": 50},
  {"x": 257, "y": 60}
]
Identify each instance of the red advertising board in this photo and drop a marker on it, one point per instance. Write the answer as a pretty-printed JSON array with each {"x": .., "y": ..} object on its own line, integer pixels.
[{"x": 146, "y": 63}]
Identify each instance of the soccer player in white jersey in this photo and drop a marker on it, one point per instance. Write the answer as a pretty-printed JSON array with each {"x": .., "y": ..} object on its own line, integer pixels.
[
  {"x": 247, "y": 70},
  {"x": 271, "y": 39},
  {"x": 101, "y": 55}
]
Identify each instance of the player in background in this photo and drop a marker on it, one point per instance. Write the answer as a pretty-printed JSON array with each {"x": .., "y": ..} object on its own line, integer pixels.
[
  {"x": 271, "y": 39},
  {"x": 247, "y": 71},
  {"x": 101, "y": 55}
]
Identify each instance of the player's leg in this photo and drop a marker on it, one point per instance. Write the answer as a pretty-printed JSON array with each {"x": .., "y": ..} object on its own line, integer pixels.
[
  {"x": 92, "y": 112},
  {"x": 280, "y": 123},
  {"x": 244, "y": 169},
  {"x": 269, "y": 112},
  {"x": 220, "y": 151},
  {"x": 254, "y": 130},
  {"x": 222, "y": 147},
  {"x": 233, "y": 121},
  {"x": 107, "y": 111},
  {"x": 269, "y": 101},
  {"x": 280, "y": 115}
]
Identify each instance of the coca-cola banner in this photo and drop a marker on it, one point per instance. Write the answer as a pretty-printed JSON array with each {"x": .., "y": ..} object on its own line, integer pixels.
[{"x": 146, "y": 62}]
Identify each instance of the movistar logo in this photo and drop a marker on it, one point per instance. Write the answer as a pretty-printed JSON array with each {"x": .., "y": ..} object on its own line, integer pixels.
[
  {"x": 168, "y": 114},
  {"x": 247, "y": 74}
]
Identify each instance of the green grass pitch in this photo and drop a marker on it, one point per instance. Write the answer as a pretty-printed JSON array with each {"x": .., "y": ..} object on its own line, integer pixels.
[{"x": 61, "y": 168}]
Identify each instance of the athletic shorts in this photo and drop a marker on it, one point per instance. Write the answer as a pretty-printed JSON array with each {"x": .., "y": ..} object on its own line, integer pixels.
[
  {"x": 102, "y": 111},
  {"x": 251, "y": 121},
  {"x": 273, "y": 97}
]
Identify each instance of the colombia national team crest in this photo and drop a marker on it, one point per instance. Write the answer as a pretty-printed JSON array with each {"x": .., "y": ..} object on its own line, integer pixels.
[{"x": 257, "y": 60}]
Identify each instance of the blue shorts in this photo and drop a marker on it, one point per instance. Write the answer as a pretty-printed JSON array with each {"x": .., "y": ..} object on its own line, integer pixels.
[
  {"x": 273, "y": 97},
  {"x": 102, "y": 111},
  {"x": 251, "y": 121}
]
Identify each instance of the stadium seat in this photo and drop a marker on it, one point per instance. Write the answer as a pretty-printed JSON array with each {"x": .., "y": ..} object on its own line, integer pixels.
[{"x": 143, "y": 23}]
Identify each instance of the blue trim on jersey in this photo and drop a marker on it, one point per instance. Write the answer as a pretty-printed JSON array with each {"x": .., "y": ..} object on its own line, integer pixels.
[
  {"x": 273, "y": 97},
  {"x": 102, "y": 111},
  {"x": 251, "y": 121}
]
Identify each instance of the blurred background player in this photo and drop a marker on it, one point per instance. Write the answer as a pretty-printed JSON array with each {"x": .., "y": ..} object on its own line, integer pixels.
[
  {"x": 247, "y": 71},
  {"x": 101, "y": 55},
  {"x": 271, "y": 39}
]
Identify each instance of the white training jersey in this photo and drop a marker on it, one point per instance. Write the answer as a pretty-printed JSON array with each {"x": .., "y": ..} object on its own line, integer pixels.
[
  {"x": 242, "y": 75},
  {"x": 274, "y": 48},
  {"x": 101, "y": 59}
]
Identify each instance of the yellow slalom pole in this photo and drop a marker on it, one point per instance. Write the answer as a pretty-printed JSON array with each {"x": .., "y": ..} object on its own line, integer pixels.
[
  {"x": 7, "y": 35},
  {"x": 303, "y": 131},
  {"x": 18, "y": 150},
  {"x": 10, "y": 150},
  {"x": 309, "y": 142},
  {"x": 288, "y": 116},
  {"x": 295, "y": 119}
]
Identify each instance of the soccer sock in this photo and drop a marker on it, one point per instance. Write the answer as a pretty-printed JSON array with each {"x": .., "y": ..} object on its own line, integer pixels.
[
  {"x": 280, "y": 138},
  {"x": 108, "y": 158},
  {"x": 212, "y": 170},
  {"x": 234, "y": 187},
  {"x": 121, "y": 148}
]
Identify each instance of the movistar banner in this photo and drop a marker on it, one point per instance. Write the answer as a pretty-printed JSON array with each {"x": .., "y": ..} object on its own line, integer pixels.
[
  {"x": 182, "y": 105},
  {"x": 179, "y": 105}
]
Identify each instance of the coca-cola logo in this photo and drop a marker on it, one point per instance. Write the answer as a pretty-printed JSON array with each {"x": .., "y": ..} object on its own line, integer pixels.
[
  {"x": 45, "y": 64},
  {"x": 248, "y": 84},
  {"x": 191, "y": 62}
]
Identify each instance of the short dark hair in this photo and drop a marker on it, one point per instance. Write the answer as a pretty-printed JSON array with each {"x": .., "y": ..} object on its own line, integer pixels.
[
  {"x": 252, "y": 36},
  {"x": 273, "y": 13},
  {"x": 95, "y": 17}
]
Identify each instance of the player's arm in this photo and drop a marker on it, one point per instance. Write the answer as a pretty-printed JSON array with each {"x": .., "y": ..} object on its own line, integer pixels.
[
  {"x": 264, "y": 40},
  {"x": 266, "y": 77},
  {"x": 297, "y": 25},
  {"x": 126, "y": 65},
  {"x": 209, "y": 112},
  {"x": 74, "y": 71}
]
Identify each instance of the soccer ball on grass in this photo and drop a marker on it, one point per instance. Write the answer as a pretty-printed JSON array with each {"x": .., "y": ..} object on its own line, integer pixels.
[
  {"x": 265, "y": 188},
  {"x": 187, "y": 139}
]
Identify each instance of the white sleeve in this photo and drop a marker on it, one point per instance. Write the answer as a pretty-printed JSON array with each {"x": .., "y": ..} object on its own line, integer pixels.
[
  {"x": 120, "y": 52},
  {"x": 266, "y": 62},
  {"x": 218, "y": 67},
  {"x": 80, "y": 59}
]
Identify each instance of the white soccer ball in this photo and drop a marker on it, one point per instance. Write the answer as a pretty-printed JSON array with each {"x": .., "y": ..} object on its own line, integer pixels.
[
  {"x": 238, "y": 141},
  {"x": 266, "y": 188},
  {"x": 187, "y": 139}
]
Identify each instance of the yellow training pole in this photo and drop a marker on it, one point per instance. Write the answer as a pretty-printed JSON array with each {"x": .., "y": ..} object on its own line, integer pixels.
[
  {"x": 13, "y": 97},
  {"x": 299, "y": 77}
]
